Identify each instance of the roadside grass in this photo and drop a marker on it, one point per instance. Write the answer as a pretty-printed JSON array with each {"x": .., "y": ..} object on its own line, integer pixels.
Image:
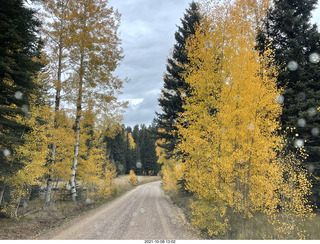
[
  {"x": 256, "y": 228},
  {"x": 123, "y": 185},
  {"x": 36, "y": 219}
]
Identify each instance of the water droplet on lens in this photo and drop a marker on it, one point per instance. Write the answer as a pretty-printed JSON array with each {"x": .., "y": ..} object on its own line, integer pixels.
[
  {"x": 139, "y": 165},
  {"x": 280, "y": 99},
  {"x": 25, "y": 109},
  {"x": 310, "y": 168},
  {"x": 301, "y": 122},
  {"x": 314, "y": 58},
  {"x": 121, "y": 167},
  {"x": 88, "y": 200},
  {"x": 312, "y": 112},
  {"x": 251, "y": 126},
  {"x": 18, "y": 95},
  {"x": 292, "y": 65},
  {"x": 315, "y": 131},
  {"x": 6, "y": 152},
  {"x": 299, "y": 143}
]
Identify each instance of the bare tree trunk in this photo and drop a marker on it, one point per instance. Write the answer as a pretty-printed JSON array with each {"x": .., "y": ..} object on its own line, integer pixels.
[
  {"x": 3, "y": 188},
  {"x": 56, "y": 109},
  {"x": 75, "y": 162},
  {"x": 18, "y": 204},
  {"x": 77, "y": 130},
  {"x": 48, "y": 191}
]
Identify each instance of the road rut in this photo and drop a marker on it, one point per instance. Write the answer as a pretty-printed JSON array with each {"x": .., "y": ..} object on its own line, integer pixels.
[{"x": 143, "y": 213}]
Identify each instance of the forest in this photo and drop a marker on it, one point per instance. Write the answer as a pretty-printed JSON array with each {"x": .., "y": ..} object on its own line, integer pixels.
[
  {"x": 238, "y": 134},
  {"x": 60, "y": 114}
]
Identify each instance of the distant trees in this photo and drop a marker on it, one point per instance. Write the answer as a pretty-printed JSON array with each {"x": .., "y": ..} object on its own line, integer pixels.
[{"x": 134, "y": 150}]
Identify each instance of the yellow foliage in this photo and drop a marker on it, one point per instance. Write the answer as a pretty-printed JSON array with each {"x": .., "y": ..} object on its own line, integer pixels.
[
  {"x": 132, "y": 178},
  {"x": 229, "y": 127},
  {"x": 172, "y": 169},
  {"x": 131, "y": 142},
  {"x": 208, "y": 216},
  {"x": 64, "y": 139},
  {"x": 32, "y": 154},
  {"x": 292, "y": 199},
  {"x": 35, "y": 150},
  {"x": 94, "y": 170}
]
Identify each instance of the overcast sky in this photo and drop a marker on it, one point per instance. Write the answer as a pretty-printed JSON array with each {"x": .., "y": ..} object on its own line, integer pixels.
[{"x": 147, "y": 32}]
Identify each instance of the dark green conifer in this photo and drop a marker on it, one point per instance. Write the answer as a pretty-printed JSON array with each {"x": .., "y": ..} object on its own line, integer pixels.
[
  {"x": 19, "y": 47},
  {"x": 297, "y": 52},
  {"x": 170, "y": 99}
]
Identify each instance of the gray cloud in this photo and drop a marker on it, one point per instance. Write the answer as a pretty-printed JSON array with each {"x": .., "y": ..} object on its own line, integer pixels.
[
  {"x": 147, "y": 32},
  {"x": 143, "y": 112}
]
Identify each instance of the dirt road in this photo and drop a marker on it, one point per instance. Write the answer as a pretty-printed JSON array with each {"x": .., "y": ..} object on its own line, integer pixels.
[{"x": 143, "y": 213}]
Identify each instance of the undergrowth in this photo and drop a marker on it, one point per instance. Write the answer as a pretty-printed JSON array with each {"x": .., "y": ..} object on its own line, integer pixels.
[{"x": 255, "y": 228}]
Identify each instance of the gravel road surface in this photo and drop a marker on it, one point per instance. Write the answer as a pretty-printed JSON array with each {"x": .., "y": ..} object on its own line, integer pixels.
[{"x": 145, "y": 213}]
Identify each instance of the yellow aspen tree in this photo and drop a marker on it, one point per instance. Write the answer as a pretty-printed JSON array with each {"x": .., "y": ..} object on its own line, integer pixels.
[
  {"x": 32, "y": 154},
  {"x": 132, "y": 178},
  {"x": 131, "y": 143},
  {"x": 63, "y": 138},
  {"x": 229, "y": 133},
  {"x": 172, "y": 170},
  {"x": 56, "y": 14},
  {"x": 292, "y": 198},
  {"x": 94, "y": 54},
  {"x": 95, "y": 171}
]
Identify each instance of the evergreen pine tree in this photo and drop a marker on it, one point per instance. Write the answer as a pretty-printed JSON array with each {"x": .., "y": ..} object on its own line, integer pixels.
[
  {"x": 170, "y": 100},
  {"x": 116, "y": 148},
  {"x": 129, "y": 152},
  {"x": 148, "y": 151},
  {"x": 19, "y": 50},
  {"x": 297, "y": 49}
]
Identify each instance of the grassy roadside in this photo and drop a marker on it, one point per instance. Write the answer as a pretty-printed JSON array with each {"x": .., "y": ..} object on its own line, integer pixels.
[
  {"x": 256, "y": 228},
  {"x": 182, "y": 200},
  {"x": 59, "y": 212}
]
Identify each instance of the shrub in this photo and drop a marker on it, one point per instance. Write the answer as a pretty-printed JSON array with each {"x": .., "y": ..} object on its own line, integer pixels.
[{"x": 132, "y": 178}]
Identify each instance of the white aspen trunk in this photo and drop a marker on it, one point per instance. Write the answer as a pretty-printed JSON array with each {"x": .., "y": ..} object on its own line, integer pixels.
[
  {"x": 3, "y": 188},
  {"x": 77, "y": 130},
  {"x": 56, "y": 109},
  {"x": 48, "y": 191},
  {"x": 74, "y": 166},
  {"x": 18, "y": 204}
]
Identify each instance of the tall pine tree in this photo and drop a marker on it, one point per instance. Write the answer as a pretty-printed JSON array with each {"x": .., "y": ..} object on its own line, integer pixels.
[
  {"x": 297, "y": 49},
  {"x": 148, "y": 150},
  {"x": 170, "y": 100},
  {"x": 19, "y": 50}
]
